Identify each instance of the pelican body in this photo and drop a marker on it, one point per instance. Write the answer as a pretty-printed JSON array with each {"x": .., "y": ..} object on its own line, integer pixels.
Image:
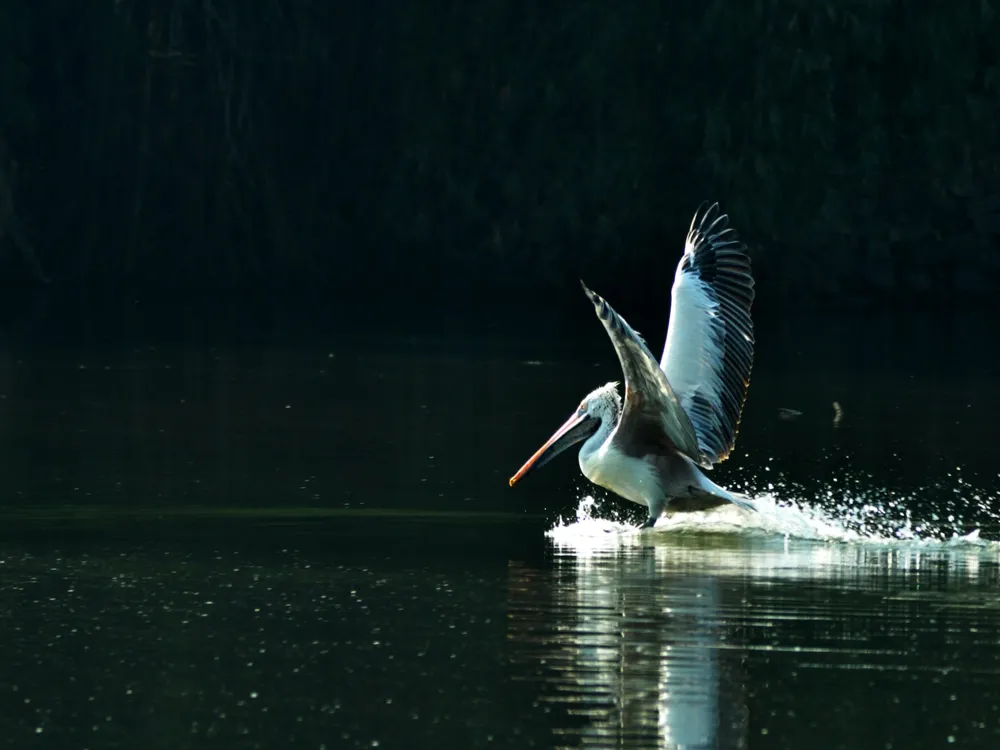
[{"x": 682, "y": 414}]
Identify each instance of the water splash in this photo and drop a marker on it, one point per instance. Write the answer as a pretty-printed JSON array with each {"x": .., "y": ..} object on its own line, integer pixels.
[{"x": 850, "y": 510}]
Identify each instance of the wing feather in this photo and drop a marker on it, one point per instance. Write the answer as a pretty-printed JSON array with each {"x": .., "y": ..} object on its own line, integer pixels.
[
  {"x": 652, "y": 417},
  {"x": 708, "y": 354}
]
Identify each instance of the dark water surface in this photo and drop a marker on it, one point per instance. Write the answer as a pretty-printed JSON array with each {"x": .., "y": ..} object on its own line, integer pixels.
[{"x": 311, "y": 543}]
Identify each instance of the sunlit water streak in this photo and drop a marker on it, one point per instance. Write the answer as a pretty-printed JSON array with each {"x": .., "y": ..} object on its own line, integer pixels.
[
  {"x": 711, "y": 640},
  {"x": 848, "y": 512}
]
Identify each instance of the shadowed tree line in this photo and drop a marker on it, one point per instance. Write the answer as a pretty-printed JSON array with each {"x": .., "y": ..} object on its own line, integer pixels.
[{"x": 502, "y": 144}]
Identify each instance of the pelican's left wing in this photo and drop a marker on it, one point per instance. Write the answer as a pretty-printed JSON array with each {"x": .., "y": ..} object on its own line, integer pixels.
[
  {"x": 652, "y": 415},
  {"x": 708, "y": 354}
]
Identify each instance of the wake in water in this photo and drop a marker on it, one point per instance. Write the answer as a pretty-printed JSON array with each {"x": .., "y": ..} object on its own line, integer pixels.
[{"x": 849, "y": 512}]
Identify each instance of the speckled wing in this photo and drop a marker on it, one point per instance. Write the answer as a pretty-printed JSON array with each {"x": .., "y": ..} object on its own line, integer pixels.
[
  {"x": 708, "y": 354},
  {"x": 652, "y": 420}
]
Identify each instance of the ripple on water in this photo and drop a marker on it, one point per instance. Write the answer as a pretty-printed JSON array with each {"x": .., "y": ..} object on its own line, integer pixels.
[{"x": 710, "y": 631}]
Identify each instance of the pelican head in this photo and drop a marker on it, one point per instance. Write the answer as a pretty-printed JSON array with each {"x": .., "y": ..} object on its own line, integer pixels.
[{"x": 594, "y": 417}]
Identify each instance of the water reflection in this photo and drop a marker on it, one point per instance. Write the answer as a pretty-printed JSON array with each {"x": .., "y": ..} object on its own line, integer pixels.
[
  {"x": 638, "y": 652},
  {"x": 659, "y": 641}
]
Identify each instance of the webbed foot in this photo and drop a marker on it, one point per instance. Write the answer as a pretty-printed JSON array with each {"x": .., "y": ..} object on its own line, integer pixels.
[{"x": 655, "y": 507}]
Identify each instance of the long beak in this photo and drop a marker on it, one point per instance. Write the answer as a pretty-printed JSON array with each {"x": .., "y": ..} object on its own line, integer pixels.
[{"x": 576, "y": 429}]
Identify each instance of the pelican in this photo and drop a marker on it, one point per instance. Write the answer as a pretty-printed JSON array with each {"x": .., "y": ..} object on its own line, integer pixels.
[{"x": 681, "y": 415}]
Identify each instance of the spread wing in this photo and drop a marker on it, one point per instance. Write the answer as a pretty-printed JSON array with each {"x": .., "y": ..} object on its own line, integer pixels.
[
  {"x": 709, "y": 349},
  {"x": 652, "y": 418}
]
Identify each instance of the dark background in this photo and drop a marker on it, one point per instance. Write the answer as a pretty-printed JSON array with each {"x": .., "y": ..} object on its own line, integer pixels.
[
  {"x": 433, "y": 154},
  {"x": 297, "y": 252},
  {"x": 232, "y": 513}
]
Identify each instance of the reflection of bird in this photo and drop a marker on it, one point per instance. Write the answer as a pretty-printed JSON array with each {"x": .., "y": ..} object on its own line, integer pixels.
[{"x": 684, "y": 412}]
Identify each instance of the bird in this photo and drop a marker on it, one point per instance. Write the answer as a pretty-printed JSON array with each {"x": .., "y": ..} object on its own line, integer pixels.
[{"x": 681, "y": 414}]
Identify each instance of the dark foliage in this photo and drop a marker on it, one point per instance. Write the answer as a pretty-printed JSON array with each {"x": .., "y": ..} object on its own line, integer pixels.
[{"x": 455, "y": 147}]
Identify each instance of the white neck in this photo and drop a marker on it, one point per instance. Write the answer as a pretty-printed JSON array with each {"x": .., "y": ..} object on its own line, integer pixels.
[
  {"x": 594, "y": 442},
  {"x": 603, "y": 464},
  {"x": 605, "y": 404}
]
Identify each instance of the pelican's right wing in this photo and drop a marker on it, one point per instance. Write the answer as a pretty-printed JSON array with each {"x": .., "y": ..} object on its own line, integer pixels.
[
  {"x": 652, "y": 417},
  {"x": 708, "y": 354}
]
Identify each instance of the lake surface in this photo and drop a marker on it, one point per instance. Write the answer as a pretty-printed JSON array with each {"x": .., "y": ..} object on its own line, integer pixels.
[{"x": 308, "y": 541}]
